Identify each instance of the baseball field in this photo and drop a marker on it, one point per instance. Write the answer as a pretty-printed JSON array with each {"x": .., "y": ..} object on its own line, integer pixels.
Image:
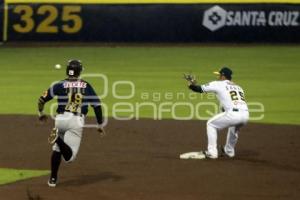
[{"x": 152, "y": 118}]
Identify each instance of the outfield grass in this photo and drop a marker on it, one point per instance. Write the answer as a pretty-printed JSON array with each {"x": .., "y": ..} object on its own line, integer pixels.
[
  {"x": 13, "y": 175},
  {"x": 268, "y": 74}
]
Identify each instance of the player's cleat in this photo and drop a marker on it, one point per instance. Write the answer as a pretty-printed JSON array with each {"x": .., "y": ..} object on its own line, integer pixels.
[
  {"x": 52, "y": 182},
  {"x": 53, "y": 136},
  {"x": 208, "y": 155},
  {"x": 223, "y": 152},
  {"x": 197, "y": 155}
]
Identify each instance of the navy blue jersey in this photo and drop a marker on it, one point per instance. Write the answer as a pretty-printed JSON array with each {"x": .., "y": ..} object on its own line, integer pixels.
[{"x": 73, "y": 95}]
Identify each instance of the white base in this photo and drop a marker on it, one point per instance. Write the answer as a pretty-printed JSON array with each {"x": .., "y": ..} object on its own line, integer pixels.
[{"x": 193, "y": 155}]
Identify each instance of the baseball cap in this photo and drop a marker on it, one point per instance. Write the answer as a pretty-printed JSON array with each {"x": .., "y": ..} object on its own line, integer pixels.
[{"x": 225, "y": 71}]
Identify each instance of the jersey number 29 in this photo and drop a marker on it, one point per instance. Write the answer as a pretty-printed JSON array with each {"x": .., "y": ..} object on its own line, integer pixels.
[{"x": 237, "y": 95}]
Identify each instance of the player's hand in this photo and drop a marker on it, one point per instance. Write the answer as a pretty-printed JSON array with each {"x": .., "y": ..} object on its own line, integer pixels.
[
  {"x": 101, "y": 130},
  {"x": 190, "y": 78},
  {"x": 42, "y": 117}
]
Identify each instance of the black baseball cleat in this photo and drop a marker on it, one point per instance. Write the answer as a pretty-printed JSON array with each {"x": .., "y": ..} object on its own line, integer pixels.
[
  {"x": 53, "y": 136},
  {"x": 52, "y": 182},
  {"x": 223, "y": 152}
]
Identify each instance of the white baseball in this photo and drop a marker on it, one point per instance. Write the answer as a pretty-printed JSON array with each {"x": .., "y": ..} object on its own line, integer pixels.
[{"x": 57, "y": 66}]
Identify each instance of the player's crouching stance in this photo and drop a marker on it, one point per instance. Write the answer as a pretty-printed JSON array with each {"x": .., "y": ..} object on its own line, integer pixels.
[
  {"x": 235, "y": 115},
  {"x": 73, "y": 96}
]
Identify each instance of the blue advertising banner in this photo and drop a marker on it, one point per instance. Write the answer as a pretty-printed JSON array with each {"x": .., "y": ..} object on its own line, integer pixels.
[
  {"x": 154, "y": 22},
  {"x": 1, "y": 19}
]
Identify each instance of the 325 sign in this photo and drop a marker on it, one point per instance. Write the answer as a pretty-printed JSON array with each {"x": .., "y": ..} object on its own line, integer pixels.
[{"x": 45, "y": 19}]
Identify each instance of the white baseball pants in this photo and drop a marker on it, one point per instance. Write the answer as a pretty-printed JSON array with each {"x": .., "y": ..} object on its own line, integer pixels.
[
  {"x": 70, "y": 129},
  {"x": 233, "y": 120}
]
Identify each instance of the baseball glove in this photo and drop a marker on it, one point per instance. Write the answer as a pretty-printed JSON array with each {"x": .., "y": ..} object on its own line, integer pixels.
[{"x": 190, "y": 78}]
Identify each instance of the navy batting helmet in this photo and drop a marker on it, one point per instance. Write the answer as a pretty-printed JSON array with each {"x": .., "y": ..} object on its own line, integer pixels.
[
  {"x": 74, "y": 68},
  {"x": 225, "y": 71}
]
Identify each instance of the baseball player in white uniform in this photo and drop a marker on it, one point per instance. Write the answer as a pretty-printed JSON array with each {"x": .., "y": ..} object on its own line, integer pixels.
[{"x": 232, "y": 99}]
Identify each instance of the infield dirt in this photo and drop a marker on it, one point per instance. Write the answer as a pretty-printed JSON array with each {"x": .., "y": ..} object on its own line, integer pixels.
[{"x": 139, "y": 159}]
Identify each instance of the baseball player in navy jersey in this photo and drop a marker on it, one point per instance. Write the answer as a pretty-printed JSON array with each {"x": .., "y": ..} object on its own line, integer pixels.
[
  {"x": 74, "y": 95},
  {"x": 232, "y": 99}
]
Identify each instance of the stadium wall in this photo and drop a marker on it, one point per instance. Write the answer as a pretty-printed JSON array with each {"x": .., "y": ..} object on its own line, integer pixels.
[
  {"x": 1, "y": 19},
  {"x": 151, "y": 21}
]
